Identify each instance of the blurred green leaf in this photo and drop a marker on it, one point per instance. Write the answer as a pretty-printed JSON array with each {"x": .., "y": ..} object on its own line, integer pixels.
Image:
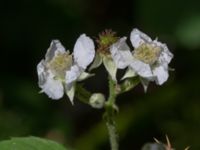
[
  {"x": 188, "y": 32},
  {"x": 30, "y": 143}
]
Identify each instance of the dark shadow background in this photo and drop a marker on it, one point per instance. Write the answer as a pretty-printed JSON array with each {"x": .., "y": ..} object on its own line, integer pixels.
[{"x": 28, "y": 26}]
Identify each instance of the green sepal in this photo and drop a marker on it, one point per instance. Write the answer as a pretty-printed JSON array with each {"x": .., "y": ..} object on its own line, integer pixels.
[
  {"x": 129, "y": 84},
  {"x": 97, "y": 62},
  {"x": 84, "y": 75},
  {"x": 110, "y": 67},
  {"x": 129, "y": 74},
  {"x": 70, "y": 93}
]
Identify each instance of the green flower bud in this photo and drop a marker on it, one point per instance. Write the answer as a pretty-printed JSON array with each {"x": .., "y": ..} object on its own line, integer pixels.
[
  {"x": 97, "y": 100},
  {"x": 105, "y": 40}
]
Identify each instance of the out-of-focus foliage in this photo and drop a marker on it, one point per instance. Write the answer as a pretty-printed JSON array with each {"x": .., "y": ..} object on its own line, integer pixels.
[
  {"x": 28, "y": 26},
  {"x": 188, "y": 32},
  {"x": 30, "y": 143}
]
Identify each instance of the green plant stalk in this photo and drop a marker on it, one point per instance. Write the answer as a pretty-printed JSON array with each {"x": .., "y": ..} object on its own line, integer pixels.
[
  {"x": 82, "y": 94},
  {"x": 110, "y": 111}
]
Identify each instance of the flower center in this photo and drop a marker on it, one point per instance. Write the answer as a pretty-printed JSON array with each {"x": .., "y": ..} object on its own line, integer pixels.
[
  {"x": 105, "y": 39},
  {"x": 60, "y": 63},
  {"x": 147, "y": 53}
]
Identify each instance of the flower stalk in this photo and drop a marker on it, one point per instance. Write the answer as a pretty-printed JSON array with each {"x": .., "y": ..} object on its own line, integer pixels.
[
  {"x": 59, "y": 72},
  {"x": 110, "y": 111}
]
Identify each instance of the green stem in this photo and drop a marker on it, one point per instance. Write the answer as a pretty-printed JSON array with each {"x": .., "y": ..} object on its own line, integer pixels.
[
  {"x": 110, "y": 114},
  {"x": 112, "y": 135},
  {"x": 82, "y": 94}
]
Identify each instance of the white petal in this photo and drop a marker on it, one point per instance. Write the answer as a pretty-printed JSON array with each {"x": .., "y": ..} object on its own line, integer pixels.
[
  {"x": 41, "y": 71},
  {"x": 73, "y": 74},
  {"x": 129, "y": 74},
  {"x": 97, "y": 62},
  {"x": 138, "y": 37},
  {"x": 161, "y": 74},
  {"x": 166, "y": 55},
  {"x": 121, "y": 53},
  {"x": 84, "y": 51},
  {"x": 70, "y": 93},
  {"x": 54, "y": 48},
  {"x": 141, "y": 69},
  {"x": 110, "y": 67},
  {"x": 53, "y": 88}
]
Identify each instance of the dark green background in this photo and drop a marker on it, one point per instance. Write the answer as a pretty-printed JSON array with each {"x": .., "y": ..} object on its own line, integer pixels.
[{"x": 28, "y": 26}]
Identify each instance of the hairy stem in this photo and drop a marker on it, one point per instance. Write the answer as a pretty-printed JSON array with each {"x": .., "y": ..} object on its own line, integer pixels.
[
  {"x": 110, "y": 114},
  {"x": 112, "y": 135}
]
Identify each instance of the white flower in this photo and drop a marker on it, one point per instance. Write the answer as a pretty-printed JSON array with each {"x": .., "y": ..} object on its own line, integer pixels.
[
  {"x": 113, "y": 59},
  {"x": 59, "y": 71},
  {"x": 121, "y": 54},
  {"x": 149, "y": 59}
]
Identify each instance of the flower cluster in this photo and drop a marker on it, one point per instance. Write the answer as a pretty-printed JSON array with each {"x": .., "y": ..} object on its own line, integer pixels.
[{"x": 60, "y": 70}]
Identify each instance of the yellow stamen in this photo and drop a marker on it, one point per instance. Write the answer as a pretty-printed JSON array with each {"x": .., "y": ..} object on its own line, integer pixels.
[
  {"x": 60, "y": 63},
  {"x": 147, "y": 53}
]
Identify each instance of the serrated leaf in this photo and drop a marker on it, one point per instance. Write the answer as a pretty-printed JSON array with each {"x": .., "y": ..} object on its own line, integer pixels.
[{"x": 30, "y": 143}]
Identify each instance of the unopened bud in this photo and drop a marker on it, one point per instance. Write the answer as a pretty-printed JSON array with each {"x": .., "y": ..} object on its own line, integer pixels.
[{"x": 97, "y": 100}]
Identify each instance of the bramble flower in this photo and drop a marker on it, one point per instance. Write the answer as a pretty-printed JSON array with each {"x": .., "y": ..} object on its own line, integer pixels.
[
  {"x": 103, "y": 55},
  {"x": 59, "y": 71},
  {"x": 149, "y": 60},
  {"x": 121, "y": 54}
]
